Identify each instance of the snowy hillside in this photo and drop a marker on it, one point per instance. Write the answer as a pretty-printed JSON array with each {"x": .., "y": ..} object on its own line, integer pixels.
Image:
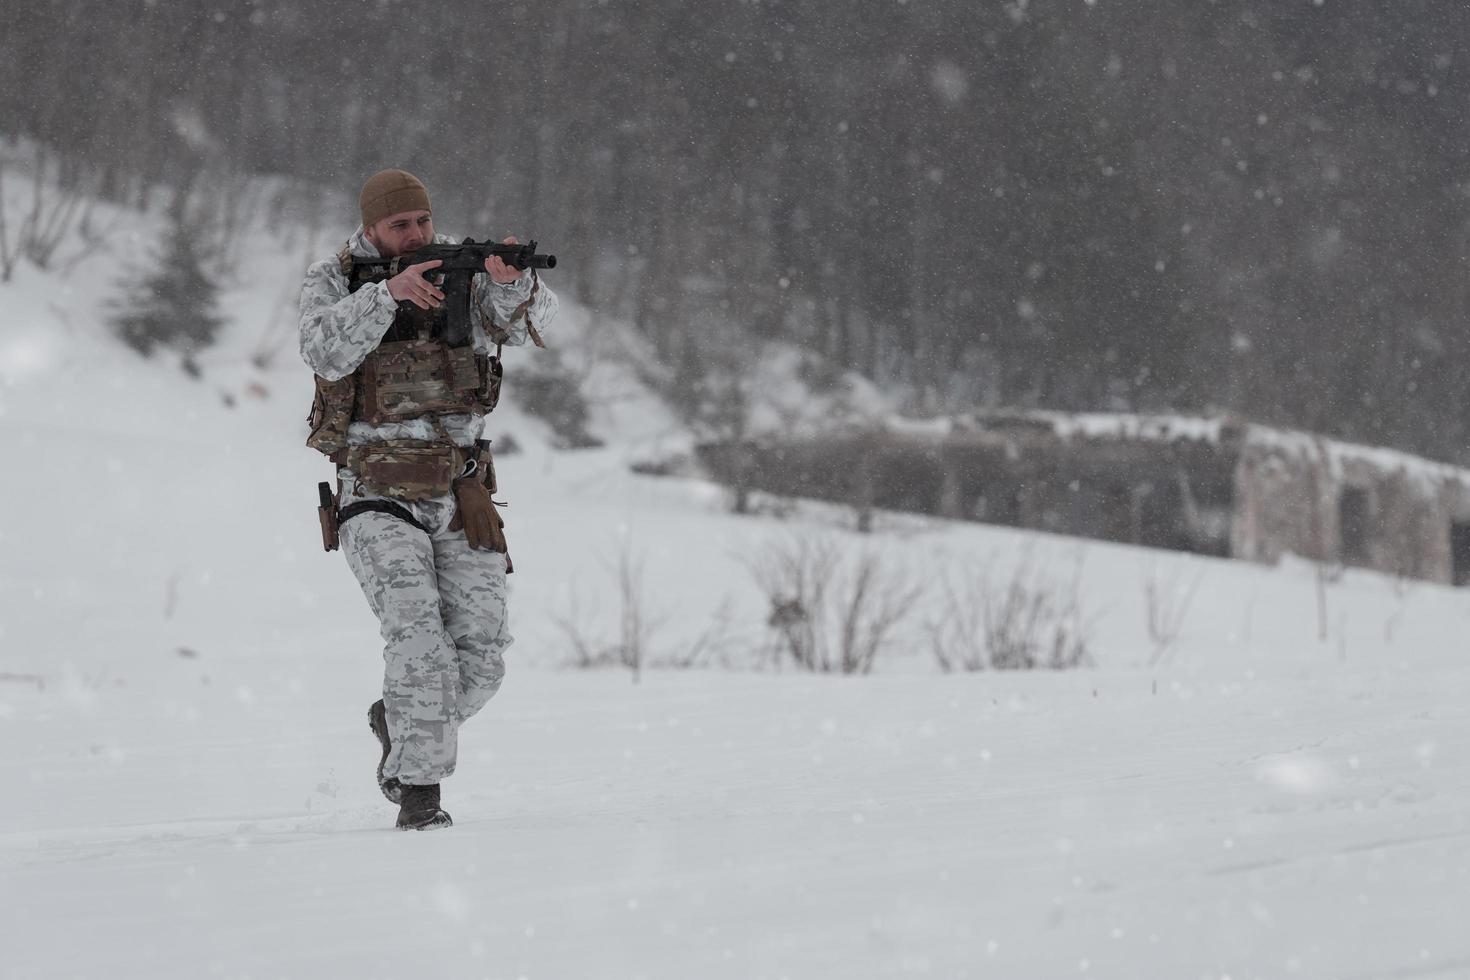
[{"x": 1264, "y": 772}]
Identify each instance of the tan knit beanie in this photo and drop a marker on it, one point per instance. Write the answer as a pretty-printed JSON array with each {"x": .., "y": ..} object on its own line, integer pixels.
[{"x": 390, "y": 192}]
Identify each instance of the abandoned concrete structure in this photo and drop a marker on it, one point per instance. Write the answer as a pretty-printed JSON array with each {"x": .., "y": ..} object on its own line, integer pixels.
[{"x": 1214, "y": 486}]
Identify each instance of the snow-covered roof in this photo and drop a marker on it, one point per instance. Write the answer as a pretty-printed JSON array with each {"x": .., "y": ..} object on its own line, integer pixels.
[
  {"x": 1113, "y": 425},
  {"x": 1339, "y": 456}
]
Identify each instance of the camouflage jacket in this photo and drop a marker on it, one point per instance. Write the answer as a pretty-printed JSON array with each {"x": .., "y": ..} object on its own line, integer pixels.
[{"x": 339, "y": 329}]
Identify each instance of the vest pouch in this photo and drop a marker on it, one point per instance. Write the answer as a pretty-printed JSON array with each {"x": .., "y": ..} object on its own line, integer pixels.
[
  {"x": 331, "y": 414},
  {"x": 406, "y": 469},
  {"x": 463, "y": 370},
  {"x": 487, "y": 394},
  {"x": 407, "y": 380}
]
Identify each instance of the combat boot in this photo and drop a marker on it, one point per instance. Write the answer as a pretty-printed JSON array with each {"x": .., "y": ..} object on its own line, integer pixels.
[
  {"x": 420, "y": 809},
  {"x": 391, "y": 788}
]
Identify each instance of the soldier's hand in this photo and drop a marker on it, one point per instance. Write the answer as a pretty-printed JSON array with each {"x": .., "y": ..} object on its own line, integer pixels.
[
  {"x": 497, "y": 268},
  {"x": 411, "y": 285}
]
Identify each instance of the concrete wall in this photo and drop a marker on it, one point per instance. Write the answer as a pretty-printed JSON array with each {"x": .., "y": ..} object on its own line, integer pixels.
[
  {"x": 1325, "y": 506},
  {"x": 1251, "y": 498}
]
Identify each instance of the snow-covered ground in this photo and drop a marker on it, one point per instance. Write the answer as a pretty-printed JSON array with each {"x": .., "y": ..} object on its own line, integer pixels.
[{"x": 188, "y": 773}]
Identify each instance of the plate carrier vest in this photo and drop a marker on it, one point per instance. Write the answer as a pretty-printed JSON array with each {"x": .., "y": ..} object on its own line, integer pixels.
[{"x": 412, "y": 374}]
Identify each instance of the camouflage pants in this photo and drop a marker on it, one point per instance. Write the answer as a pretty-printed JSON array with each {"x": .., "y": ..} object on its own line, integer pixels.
[{"x": 441, "y": 611}]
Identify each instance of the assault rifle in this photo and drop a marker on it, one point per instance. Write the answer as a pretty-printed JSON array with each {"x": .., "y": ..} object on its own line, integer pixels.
[{"x": 460, "y": 264}]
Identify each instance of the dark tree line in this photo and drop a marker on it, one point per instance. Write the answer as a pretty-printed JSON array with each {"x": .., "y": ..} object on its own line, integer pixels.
[{"x": 1249, "y": 205}]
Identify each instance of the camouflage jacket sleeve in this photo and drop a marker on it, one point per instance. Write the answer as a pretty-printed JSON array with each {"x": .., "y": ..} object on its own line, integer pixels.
[
  {"x": 339, "y": 329},
  {"x": 494, "y": 307}
]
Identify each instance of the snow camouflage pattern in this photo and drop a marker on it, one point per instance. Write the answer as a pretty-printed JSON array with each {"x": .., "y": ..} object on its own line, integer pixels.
[
  {"x": 339, "y": 329},
  {"x": 441, "y": 606},
  {"x": 441, "y": 611}
]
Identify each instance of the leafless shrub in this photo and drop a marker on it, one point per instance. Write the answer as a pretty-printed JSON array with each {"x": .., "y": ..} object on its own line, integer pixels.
[
  {"x": 55, "y": 206},
  {"x": 1325, "y": 573},
  {"x": 1395, "y": 618},
  {"x": 631, "y": 643},
  {"x": 1027, "y": 620},
  {"x": 957, "y": 635},
  {"x": 580, "y": 634},
  {"x": 1165, "y": 609},
  {"x": 87, "y": 237},
  {"x": 830, "y": 613},
  {"x": 636, "y": 625},
  {"x": 714, "y": 643}
]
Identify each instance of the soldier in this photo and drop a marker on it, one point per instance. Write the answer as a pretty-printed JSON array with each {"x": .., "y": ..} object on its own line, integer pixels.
[{"x": 400, "y": 412}]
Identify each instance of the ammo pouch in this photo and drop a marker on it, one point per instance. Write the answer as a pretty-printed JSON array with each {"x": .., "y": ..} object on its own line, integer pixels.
[{"x": 406, "y": 469}]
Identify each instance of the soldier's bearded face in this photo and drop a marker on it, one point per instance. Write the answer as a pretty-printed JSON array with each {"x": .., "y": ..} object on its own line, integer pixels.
[{"x": 402, "y": 233}]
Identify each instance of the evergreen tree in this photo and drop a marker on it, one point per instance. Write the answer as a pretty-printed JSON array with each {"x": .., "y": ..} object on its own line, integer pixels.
[{"x": 173, "y": 305}]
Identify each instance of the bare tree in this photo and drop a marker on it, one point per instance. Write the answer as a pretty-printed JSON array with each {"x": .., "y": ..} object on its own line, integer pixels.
[{"x": 53, "y": 211}]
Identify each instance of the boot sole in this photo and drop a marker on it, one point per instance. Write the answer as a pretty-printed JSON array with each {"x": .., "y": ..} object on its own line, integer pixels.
[{"x": 438, "y": 820}]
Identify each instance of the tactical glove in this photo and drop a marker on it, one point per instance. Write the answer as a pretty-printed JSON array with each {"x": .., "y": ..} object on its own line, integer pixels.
[{"x": 478, "y": 516}]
